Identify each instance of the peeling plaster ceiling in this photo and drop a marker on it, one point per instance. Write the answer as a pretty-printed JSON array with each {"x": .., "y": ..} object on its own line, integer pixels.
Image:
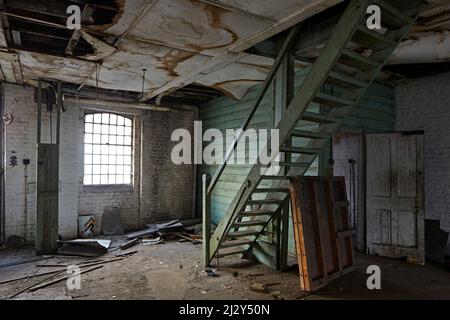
[{"x": 178, "y": 42}]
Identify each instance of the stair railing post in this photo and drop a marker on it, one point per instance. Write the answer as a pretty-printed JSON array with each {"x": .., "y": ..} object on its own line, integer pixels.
[{"x": 206, "y": 212}]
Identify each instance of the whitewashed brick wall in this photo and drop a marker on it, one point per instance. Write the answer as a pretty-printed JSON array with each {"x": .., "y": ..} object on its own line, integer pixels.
[
  {"x": 424, "y": 104},
  {"x": 170, "y": 194}
]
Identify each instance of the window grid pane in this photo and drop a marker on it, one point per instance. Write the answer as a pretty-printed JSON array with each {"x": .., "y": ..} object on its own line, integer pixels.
[{"x": 108, "y": 147}]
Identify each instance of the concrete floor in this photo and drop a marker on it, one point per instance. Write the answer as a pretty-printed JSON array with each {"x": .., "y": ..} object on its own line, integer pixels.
[{"x": 173, "y": 271}]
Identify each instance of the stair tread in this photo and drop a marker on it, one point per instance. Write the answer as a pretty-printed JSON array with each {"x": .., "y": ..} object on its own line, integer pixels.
[
  {"x": 264, "y": 201},
  {"x": 236, "y": 243},
  {"x": 310, "y": 134},
  {"x": 249, "y": 223},
  {"x": 224, "y": 254},
  {"x": 256, "y": 213},
  {"x": 331, "y": 100},
  {"x": 372, "y": 39},
  {"x": 358, "y": 60},
  {"x": 269, "y": 190},
  {"x": 319, "y": 117},
  {"x": 300, "y": 150},
  {"x": 341, "y": 77},
  {"x": 394, "y": 11},
  {"x": 264, "y": 177},
  {"x": 294, "y": 164},
  {"x": 236, "y": 234}
]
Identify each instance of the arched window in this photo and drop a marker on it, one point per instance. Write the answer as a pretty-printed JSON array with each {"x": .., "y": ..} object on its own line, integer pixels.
[{"x": 108, "y": 152}]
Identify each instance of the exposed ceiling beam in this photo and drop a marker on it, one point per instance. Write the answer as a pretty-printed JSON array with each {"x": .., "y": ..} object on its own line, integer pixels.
[
  {"x": 115, "y": 104},
  {"x": 11, "y": 68}
]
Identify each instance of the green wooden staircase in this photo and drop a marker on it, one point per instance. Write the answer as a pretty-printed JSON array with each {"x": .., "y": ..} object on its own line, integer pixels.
[{"x": 336, "y": 81}]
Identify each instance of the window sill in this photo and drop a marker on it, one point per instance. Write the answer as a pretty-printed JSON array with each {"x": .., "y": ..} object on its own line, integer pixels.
[{"x": 108, "y": 188}]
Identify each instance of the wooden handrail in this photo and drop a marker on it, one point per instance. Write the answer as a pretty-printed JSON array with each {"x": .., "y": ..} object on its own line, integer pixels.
[{"x": 273, "y": 71}]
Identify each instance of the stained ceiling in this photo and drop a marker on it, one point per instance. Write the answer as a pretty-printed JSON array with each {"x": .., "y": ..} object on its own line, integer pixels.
[{"x": 189, "y": 49}]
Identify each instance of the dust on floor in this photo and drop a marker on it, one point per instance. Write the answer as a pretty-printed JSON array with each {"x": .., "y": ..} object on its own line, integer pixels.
[{"x": 173, "y": 271}]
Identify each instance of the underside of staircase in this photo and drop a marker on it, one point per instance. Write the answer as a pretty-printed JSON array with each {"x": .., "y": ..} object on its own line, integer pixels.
[{"x": 347, "y": 64}]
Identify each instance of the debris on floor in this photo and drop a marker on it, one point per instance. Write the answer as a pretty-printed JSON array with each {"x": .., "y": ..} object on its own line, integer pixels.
[
  {"x": 84, "y": 247},
  {"x": 23, "y": 261},
  {"x": 211, "y": 273},
  {"x": 186, "y": 230},
  {"x": 157, "y": 240},
  {"x": 129, "y": 244},
  {"x": 264, "y": 287},
  {"x": 187, "y": 237}
]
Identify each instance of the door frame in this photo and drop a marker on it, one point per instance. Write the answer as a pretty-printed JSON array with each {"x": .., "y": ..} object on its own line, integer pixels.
[{"x": 360, "y": 241}]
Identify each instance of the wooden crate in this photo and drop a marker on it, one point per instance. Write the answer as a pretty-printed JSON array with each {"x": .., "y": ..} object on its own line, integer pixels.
[{"x": 322, "y": 229}]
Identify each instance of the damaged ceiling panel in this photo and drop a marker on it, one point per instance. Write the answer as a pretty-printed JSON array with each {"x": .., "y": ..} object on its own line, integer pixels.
[
  {"x": 192, "y": 26},
  {"x": 173, "y": 43},
  {"x": 170, "y": 39},
  {"x": 124, "y": 69},
  {"x": 39, "y": 65},
  {"x": 235, "y": 79}
]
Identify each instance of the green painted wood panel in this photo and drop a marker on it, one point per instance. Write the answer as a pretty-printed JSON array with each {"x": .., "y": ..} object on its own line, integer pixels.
[{"x": 375, "y": 113}]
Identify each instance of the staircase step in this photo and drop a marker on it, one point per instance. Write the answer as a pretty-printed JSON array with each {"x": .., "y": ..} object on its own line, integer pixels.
[
  {"x": 300, "y": 150},
  {"x": 246, "y": 233},
  {"x": 264, "y": 201},
  {"x": 319, "y": 117},
  {"x": 225, "y": 254},
  {"x": 305, "y": 165},
  {"x": 257, "y": 213},
  {"x": 271, "y": 190},
  {"x": 393, "y": 12},
  {"x": 372, "y": 39},
  {"x": 333, "y": 101},
  {"x": 275, "y": 178},
  {"x": 242, "y": 224},
  {"x": 341, "y": 79},
  {"x": 310, "y": 134},
  {"x": 294, "y": 164},
  {"x": 236, "y": 243},
  {"x": 358, "y": 61}
]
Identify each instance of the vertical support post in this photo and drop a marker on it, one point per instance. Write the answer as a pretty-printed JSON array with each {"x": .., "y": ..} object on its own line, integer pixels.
[
  {"x": 206, "y": 212},
  {"x": 39, "y": 105},
  {"x": 58, "y": 112},
  {"x": 47, "y": 186},
  {"x": 284, "y": 93},
  {"x": 285, "y": 211},
  {"x": 276, "y": 225},
  {"x": 326, "y": 156},
  {"x": 326, "y": 160}
]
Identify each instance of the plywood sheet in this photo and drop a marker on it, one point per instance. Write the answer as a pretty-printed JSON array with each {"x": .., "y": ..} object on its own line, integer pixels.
[{"x": 322, "y": 230}]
